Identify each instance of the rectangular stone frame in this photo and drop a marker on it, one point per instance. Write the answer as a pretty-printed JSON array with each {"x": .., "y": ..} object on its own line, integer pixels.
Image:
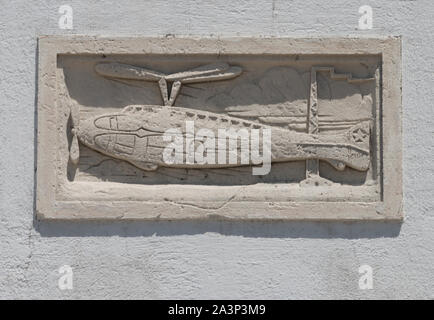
[{"x": 162, "y": 204}]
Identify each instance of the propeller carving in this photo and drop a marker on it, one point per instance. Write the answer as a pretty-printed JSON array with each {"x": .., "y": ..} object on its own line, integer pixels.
[
  {"x": 74, "y": 151},
  {"x": 210, "y": 72}
]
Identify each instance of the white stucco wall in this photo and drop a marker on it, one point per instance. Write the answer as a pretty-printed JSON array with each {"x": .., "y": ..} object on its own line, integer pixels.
[{"x": 214, "y": 259}]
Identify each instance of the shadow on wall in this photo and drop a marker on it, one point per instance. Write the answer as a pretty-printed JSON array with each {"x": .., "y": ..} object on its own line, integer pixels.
[{"x": 248, "y": 229}]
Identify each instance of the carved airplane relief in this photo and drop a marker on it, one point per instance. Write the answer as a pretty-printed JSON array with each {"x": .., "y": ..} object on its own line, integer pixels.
[{"x": 135, "y": 134}]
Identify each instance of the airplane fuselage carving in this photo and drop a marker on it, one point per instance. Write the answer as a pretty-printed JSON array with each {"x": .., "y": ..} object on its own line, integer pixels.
[{"x": 136, "y": 135}]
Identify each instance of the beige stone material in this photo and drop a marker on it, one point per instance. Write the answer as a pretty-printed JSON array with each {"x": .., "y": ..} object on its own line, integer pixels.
[{"x": 332, "y": 106}]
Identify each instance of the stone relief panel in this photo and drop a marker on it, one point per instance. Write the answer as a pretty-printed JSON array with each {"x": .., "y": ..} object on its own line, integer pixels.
[{"x": 229, "y": 133}]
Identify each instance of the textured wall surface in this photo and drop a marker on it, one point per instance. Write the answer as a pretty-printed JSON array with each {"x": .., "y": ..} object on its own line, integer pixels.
[{"x": 214, "y": 259}]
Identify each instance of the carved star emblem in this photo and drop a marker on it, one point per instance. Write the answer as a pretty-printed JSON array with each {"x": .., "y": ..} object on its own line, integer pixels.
[{"x": 359, "y": 135}]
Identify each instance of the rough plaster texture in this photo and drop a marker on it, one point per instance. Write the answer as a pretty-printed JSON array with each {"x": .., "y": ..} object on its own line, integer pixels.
[{"x": 214, "y": 259}]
